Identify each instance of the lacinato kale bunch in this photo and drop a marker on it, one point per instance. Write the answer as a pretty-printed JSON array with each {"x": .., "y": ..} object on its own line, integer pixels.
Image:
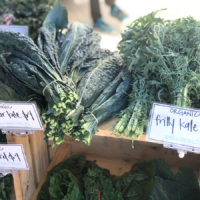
[
  {"x": 37, "y": 69},
  {"x": 96, "y": 75},
  {"x": 83, "y": 85}
]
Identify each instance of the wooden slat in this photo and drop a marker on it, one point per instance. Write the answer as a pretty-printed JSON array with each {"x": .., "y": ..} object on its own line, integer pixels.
[
  {"x": 40, "y": 155},
  {"x": 18, "y": 186},
  {"x": 116, "y": 167},
  {"x": 27, "y": 177},
  {"x": 118, "y": 148},
  {"x": 51, "y": 150}
]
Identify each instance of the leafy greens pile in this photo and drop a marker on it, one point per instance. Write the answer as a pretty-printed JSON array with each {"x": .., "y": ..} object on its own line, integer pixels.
[
  {"x": 146, "y": 180},
  {"x": 163, "y": 57},
  {"x": 22, "y": 12},
  {"x": 82, "y": 84}
]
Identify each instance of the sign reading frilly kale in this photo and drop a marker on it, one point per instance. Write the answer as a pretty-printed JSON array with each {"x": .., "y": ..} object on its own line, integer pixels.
[
  {"x": 19, "y": 116},
  {"x": 174, "y": 125},
  {"x": 12, "y": 157},
  {"x": 15, "y": 28}
]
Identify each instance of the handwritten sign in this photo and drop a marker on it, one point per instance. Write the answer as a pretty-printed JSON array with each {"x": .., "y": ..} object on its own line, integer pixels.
[
  {"x": 19, "y": 116},
  {"x": 175, "y": 125},
  {"x": 15, "y": 28},
  {"x": 12, "y": 157}
]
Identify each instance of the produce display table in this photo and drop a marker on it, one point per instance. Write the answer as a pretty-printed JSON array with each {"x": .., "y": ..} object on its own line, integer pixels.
[{"x": 117, "y": 153}]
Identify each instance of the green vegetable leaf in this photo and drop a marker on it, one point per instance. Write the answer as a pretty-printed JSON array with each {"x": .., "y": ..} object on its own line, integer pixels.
[{"x": 58, "y": 16}]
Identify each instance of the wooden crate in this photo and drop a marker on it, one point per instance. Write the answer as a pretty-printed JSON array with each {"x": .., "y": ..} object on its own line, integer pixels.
[
  {"x": 117, "y": 154},
  {"x": 37, "y": 155}
]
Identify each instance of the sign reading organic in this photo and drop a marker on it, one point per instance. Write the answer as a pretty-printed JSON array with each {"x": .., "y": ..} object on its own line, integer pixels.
[
  {"x": 15, "y": 28},
  {"x": 175, "y": 125},
  {"x": 19, "y": 116},
  {"x": 12, "y": 157}
]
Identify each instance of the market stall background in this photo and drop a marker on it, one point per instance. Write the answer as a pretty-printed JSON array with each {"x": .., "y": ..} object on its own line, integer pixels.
[{"x": 134, "y": 9}]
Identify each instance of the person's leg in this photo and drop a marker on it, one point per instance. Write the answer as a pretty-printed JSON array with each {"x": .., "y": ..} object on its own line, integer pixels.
[
  {"x": 116, "y": 11},
  {"x": 111, "y": 3},
  {"x": 95, "y": 10},
  {"x": 97, "y": 18}
]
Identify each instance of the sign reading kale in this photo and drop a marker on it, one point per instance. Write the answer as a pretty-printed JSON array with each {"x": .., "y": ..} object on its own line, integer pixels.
[
  {"x": 175, "y": 125},
  {"x": 19, "y": 116},
  {"x": 12, "y": 157}
]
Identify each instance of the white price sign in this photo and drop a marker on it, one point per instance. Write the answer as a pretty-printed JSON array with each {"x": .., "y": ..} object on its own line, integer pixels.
[
  {"x": 174, "y": 125},
  {"x": 12, "y": 157},
  {"x": 15, "y": 28},
  {"x": 19, "y": 116}
]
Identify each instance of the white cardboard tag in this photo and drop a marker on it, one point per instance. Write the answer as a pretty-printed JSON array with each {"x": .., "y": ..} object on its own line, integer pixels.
[
  {"x": 19, "y": 117},
  {"x": 175, "y": 125},
  {"x": 12, "y": 157}
]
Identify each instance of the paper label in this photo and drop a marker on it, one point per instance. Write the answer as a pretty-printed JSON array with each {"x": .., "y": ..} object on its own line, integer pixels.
[
  {"x": 12, "y": 157},
  {"x": 4, "y": 172},
  {"x": 19, "y": 116},
  {"x": 175, "y": 125},
  {"x": 15, "y": 28}
]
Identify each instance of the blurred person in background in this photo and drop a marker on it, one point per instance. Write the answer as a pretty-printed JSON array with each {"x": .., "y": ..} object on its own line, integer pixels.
[{"x": 98, "y": 22}]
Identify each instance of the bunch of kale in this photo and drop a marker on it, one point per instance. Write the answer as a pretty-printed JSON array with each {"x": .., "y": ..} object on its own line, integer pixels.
[
  {"x": 163, "y": 58},
  {"x": 82, "y": 84}
]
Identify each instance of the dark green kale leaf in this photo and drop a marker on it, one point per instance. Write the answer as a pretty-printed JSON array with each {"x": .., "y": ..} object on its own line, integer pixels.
[
  {"x": 97, "y": 79},
  {"x": 75, "y": 36},
  {"x": 98, "y": 185},
  {"x": 64, "y": 186}
]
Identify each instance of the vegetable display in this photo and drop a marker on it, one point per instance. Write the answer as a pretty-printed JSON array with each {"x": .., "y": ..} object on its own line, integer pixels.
[
  {"x": 146, "y": 180},
  {"x": 88, "y": 69},
  {"x": 78, "y": 85},
  {"x": 82, "y": 84},
  {"x": 163, "y": 57}
]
